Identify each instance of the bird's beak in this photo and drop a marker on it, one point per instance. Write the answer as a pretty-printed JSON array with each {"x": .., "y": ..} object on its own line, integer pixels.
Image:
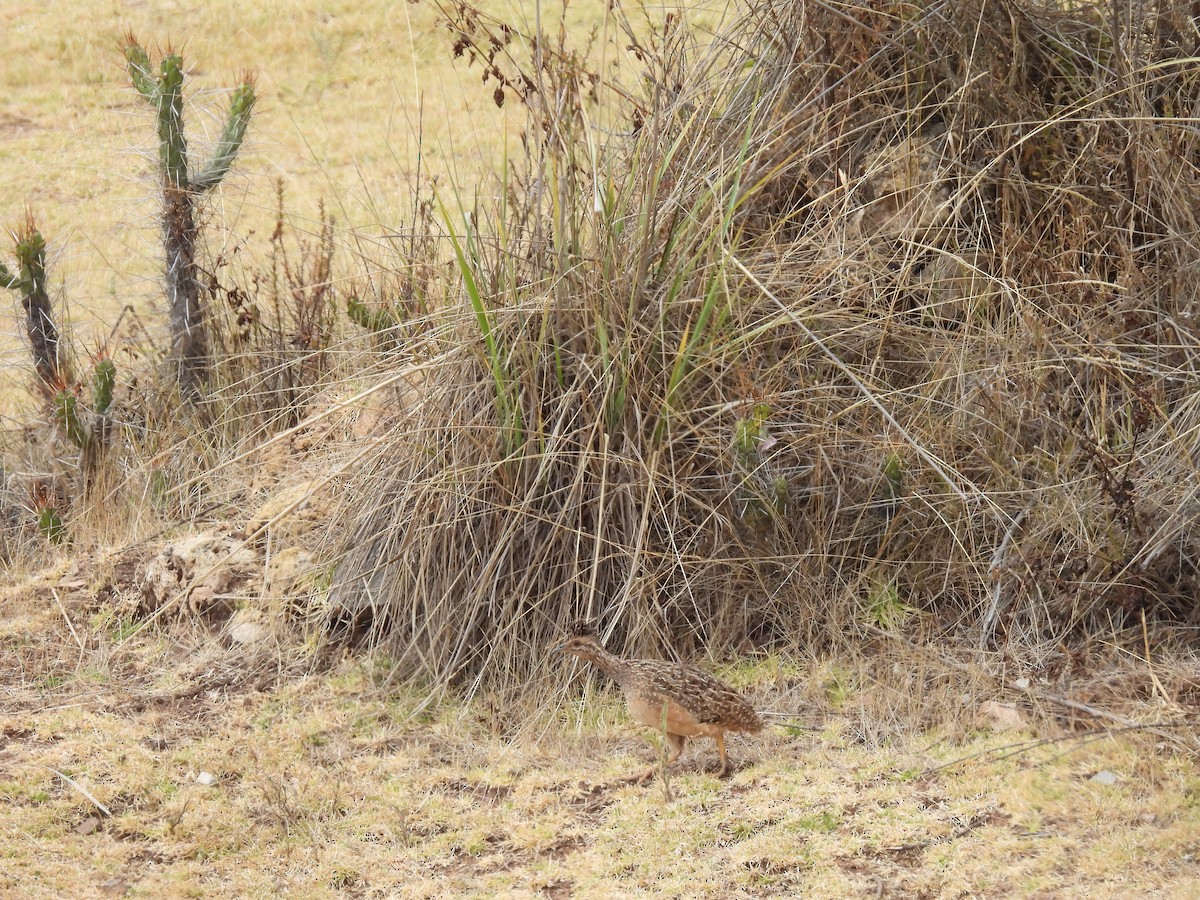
[{"x": 559, "y": 648}]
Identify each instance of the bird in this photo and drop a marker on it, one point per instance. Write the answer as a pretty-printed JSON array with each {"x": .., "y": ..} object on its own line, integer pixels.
[{"x": 676, "y": 698}]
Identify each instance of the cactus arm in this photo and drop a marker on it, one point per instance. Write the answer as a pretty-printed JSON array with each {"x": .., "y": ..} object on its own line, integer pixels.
[
  {"x": 31, "y": 254},
  {"x": 102, "y": 387},
  {"x": 30, "y": 283},
  {"x": 172, "y": 147},
  {"x": 138, "y": 64},
  {"x": 67, "y": 412},
  {"x": 231, "y": 138}
]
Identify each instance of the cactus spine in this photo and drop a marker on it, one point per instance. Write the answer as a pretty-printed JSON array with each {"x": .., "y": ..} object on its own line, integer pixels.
[
  {"x": 29, "y": 282},
  {"x": 163, "y": 90}
]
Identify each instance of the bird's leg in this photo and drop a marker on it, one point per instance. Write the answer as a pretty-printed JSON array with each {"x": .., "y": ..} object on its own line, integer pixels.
[
  {"x": 719, "y": 737},
  {"x": 676, "y": 742}
]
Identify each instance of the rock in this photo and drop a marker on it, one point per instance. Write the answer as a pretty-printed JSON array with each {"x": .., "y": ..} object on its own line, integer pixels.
[
  {"x": 206, "y": 779},
  {"x": 247, "y": 627},
  {"x": 88, "y": 825},
  {"x": 1104, "y": 777},
  {"x": 204, "y": 568},
  {"x": 999, "y": 716}
]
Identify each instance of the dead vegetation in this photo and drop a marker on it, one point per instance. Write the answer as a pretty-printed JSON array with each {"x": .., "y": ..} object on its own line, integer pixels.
[
  {"x": 173, "y": 763},
  {"x": 870, "y": 318},
  {"x": 856, "y": 343}
]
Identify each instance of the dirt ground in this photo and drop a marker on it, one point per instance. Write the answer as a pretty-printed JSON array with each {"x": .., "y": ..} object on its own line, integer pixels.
[{"x": 175, "y": 762}]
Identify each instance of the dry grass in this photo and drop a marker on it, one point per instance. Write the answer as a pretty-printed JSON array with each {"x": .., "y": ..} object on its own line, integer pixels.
[
  {"x": 851, "y": 352},
  {"x": 345, "y": 783},
  {"x": 878, "y": 324}
]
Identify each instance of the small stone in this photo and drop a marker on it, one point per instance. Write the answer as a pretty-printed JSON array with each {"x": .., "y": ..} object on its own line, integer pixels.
[
  {"x": 999, "y": 717},
  {"x": 247, "y": 631},
  {"x": 1104, "y": 777},
  {"x": 88, "y": 825},
  {"x": 114, "y": 887},
  {"x": 1021, "y": 684},
  {"x": 206, "y": 779}
]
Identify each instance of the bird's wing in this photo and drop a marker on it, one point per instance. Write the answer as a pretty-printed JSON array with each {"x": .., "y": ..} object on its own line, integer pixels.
[{"x": 706, "y": 697}]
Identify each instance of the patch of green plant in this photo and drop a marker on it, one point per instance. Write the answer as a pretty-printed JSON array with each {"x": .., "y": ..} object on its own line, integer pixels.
[
  {"x": 891, "y": 487},
  {"x": 840, "y": 686},
  {"x": 761, "y": 497},
  {"x": 739, "y": 831},
  {"x": 508, "y": 407},
  {"x": 50, "y": 524},
  {"x": 123, "y": 628},
  {"x": 23, "y": 794},
  {"x": 885, "y": 608},
  {"x": 823, "y": 822}
]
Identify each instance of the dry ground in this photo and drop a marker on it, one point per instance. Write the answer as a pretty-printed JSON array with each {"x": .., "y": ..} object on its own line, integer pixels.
[
  {"x": 173, "y": 762},
  {"x": 341, "y": 784}
]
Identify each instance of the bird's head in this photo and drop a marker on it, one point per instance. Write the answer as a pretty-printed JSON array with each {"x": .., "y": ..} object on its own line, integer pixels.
[{"x": 582, "y": 640}]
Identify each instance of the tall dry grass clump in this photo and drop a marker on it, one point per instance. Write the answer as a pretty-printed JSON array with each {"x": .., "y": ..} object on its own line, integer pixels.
[{"x": 865, "y": 317}]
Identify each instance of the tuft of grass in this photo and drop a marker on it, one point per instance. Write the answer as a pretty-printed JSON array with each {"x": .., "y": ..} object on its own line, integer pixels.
[{"x": 862, "y": 233}]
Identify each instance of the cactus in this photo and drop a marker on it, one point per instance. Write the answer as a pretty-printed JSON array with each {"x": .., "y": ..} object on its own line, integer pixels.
[
  {"x": 762, "y": 499},
  {"x": 163, "y": 90},
  {"x": 104, "y": 380},
  {"x": 66, "y": 412},
  {"x": 51, "y": 525},
  {"x": 376, "y": 320},
  {"x": 30, "y": 283},
  {"x": 92, "y": 438},
  {"x": 102, "y": 387},
  {"x": 891, "y": 490},
  {"x": 54, "y": 373}
]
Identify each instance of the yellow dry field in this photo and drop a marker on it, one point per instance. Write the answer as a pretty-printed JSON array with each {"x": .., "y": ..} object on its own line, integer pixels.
[
  {"x": 358, "y": 100},
  {"x": 176, "y": 762},
  {"x": 180, "y": 764}
]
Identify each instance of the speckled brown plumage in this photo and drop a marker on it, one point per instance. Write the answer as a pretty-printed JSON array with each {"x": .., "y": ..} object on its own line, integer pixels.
[{"x": 688, "y": 701}]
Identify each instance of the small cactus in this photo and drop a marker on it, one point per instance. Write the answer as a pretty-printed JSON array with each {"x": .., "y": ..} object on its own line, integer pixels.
[
  {"x": 380, "y": 322},
  {"x": 102, "y": 386},
  {"x": 762, "y": 498},
  {"x": 44, "y": 504},
  {"x": 51, "y": 525},
  {"x": 891, "y": 490},
  {"x": 163, "y": 90},
  {"x": 66, "y": 412},
  {"x": 29, "y": 282},
  {"x": 91, "y": 437},
  {"x": 376, "y": 320}
]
